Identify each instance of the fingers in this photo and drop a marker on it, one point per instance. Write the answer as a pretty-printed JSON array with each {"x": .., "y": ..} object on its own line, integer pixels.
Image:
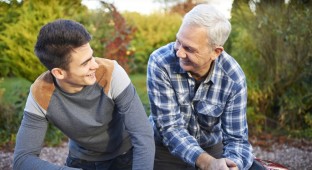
[{"x": 230, "y": 163}]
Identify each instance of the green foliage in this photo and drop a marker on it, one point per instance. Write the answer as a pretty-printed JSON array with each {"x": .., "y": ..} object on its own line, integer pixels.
[
  {"x": 272, "y": 44},
  {"x": 100, "y": 25},
  {"x": 13, "y": 94},
  {"x": 139, "y": 82},
  {"x": 111, "y": 34},
  {"x": 308, "y": 119},
  {"x": 255, "y": 121},
  {"x": 54, "y": 136},
  {"x": 19, "y": 30},
  {"x": 5, "y": 122},
  {"x": 152, "y": 32},
  {"x": 15, "y": 91},
  {"x": 306, "y": 133}
]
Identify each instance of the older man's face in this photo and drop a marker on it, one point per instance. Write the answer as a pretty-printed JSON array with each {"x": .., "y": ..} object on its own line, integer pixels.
[{"x": 193, "y": 49}]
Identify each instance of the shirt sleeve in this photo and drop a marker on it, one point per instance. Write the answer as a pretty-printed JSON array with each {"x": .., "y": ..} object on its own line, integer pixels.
[
  {"x": 136, "y": 123},
  {"x": 120, "y": 81},
  {"x": 29, "y": 142},
  {"x": 235, "y": 128},
  {"x": 166, "y": 115}
]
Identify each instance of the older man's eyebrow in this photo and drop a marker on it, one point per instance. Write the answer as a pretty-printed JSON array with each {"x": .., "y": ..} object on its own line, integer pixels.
[{"x": 185, "y": 46}]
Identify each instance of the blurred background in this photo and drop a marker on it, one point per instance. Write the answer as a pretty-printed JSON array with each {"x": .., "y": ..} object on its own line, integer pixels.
[{"x": 271, "y": 40}]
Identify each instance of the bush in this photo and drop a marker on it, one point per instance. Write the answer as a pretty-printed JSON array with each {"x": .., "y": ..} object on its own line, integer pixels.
[
  {"x": 111, "y": 34},
  {"x": 19, "y": 29},
  {"x": 6, "y": 123},
  {"x": 13, "y": 96},
  {"x": 152, "y": 32},
  {"x": 255, "y": 121},
  {"x": 271, "y": 45}
]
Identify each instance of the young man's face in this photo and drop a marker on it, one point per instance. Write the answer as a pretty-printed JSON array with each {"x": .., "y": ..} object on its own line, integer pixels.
[
  {"x": 193, "y": 49},
  {"x": 81, "y": 71}
]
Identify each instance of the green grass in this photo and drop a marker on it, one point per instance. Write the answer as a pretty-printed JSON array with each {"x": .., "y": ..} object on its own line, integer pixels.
[
  {"x": 13, "y": 94},
  {"x": 139, "y": 81},
  {"x": 15, "y": 89}
]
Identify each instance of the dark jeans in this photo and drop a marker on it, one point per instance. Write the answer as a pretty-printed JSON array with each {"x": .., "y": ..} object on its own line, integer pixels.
[
  {"x": 164, "y": 160},
  {"x": 122, "y": 162}
]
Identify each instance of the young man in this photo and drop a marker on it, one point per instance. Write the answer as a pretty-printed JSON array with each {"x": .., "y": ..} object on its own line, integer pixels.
[
  {"x": 91, "y": 100},
  {"x": 198, "y": 97}
]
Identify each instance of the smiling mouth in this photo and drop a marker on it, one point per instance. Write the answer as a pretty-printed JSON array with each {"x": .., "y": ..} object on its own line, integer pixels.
[
  {"x": 185, "y": 62},
  {"x": 91, "y": 75}
]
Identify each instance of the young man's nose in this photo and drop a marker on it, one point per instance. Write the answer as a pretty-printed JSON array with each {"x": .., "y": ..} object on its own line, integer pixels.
[{"x": 94, "y": 65}]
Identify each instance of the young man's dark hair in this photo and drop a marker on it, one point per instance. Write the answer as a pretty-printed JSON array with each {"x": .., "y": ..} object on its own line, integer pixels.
[{"x": 55, "y": 42}]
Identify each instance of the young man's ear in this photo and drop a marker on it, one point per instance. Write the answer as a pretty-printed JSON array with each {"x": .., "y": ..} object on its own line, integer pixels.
[
  {"x": 217, "y": 51},
  {"x": 58, "y": 73}
]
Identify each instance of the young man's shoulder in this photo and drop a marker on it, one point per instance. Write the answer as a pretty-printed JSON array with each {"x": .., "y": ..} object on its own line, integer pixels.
[
  {"x": 104, "y": 62},
  {"x": 43, "y": 88},
  {"x": 104, "y": 72}
]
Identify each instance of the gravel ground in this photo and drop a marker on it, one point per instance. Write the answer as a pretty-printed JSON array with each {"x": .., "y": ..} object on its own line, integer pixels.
[{"x": 296, "y": 156}]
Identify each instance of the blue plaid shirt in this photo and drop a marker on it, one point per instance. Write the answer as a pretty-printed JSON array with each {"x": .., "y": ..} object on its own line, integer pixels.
[{"x": 186, "y": 120}]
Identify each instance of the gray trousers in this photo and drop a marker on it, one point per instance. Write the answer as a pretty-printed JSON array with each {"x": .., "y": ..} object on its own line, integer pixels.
[{"x": 164, "y": 160}]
